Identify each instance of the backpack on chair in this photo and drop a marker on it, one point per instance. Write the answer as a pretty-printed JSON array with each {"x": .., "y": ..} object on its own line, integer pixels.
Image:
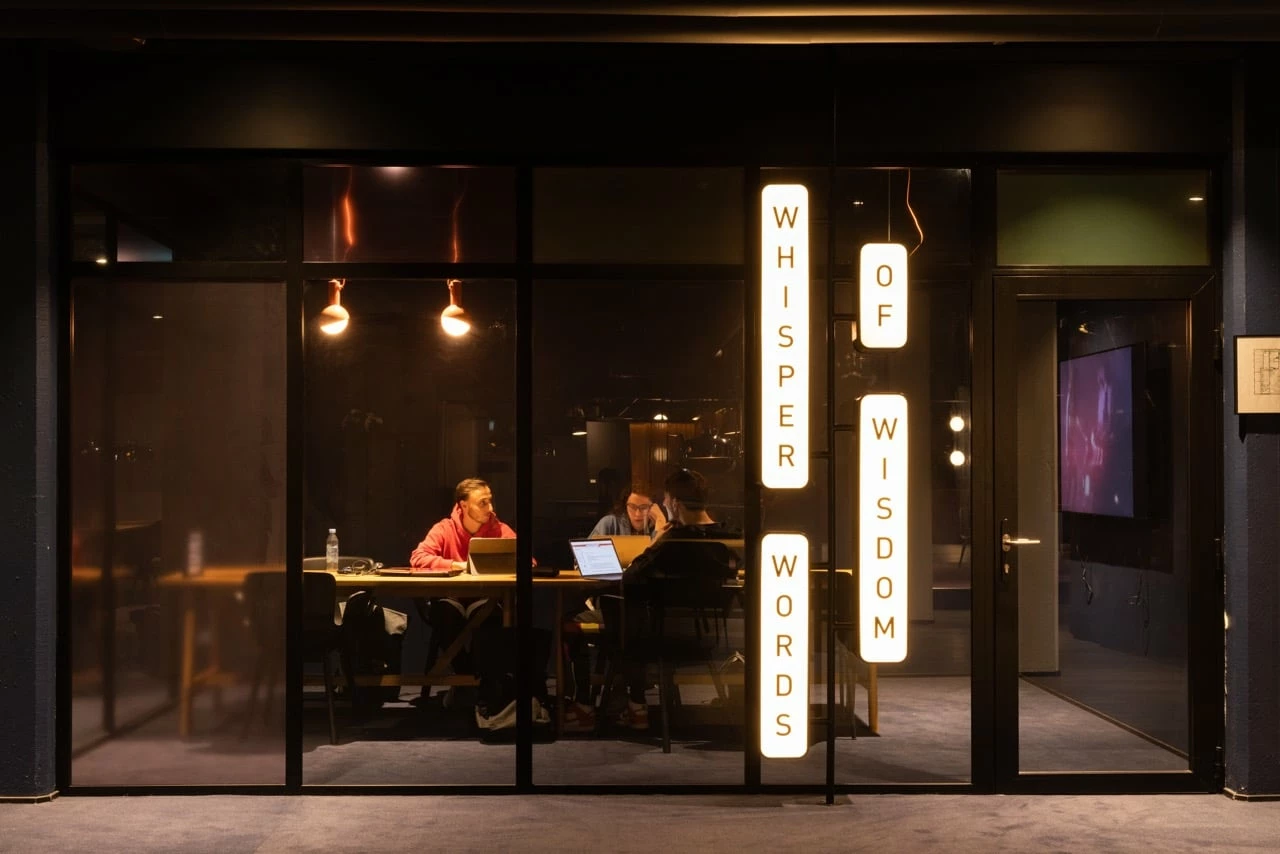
[{"x": 368, "y": 649}]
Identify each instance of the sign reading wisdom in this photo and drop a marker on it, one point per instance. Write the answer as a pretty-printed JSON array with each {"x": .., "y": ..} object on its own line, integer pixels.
[
  {"x": 784, "y": 646},
  {"x": 784, "y": 336},
  {"x": 882, "y": 528}
]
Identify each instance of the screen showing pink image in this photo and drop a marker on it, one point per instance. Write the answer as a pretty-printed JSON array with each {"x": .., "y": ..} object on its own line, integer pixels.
[{"x": 1095, "y": 423}]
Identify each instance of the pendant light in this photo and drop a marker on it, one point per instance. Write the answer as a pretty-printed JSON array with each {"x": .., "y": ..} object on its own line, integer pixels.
[
  {"x": 334, "y": 318},
  {"x": 454, "y": 320}
]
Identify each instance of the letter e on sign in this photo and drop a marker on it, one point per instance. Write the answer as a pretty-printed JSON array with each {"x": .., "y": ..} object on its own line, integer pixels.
[
  {"x": 882, "y": 296},
  {"x": 784, "y": 336},
  {"x": 784, "y": 646}
]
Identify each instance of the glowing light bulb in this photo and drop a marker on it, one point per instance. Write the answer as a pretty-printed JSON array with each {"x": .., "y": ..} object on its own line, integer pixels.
[
  {"x": 957, "y": 458},
  {"x": 956, "y": 423}
]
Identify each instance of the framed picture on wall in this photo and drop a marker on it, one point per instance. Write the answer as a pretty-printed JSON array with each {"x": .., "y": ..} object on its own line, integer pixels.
[{"x": 1257, "y": 374}]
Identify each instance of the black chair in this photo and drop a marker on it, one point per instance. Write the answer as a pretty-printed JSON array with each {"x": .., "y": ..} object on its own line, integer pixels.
[
  {"x": 675, "y": 617},
  {"x": 265, "y": 615},
  {"x": 321, "y": 636}
]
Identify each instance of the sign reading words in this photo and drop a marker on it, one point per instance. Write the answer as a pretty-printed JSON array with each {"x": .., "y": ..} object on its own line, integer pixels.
[
  {"x": 784, "y": 646},
  {"x": 882, "y": 528},
  {"x": 784, "y": 336},
  {"x": 882, "y": 296}
]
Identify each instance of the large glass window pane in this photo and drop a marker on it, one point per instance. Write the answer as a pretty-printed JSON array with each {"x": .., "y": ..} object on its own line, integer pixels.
[
  {"x": 178, "y": 531},
  {"x": 1102, "y": 468},
  {"x": 635, "y": 381},
  {"x": 398, "y": 413},
  {"x": 1102, "y": 218},
  {"x": 125, "y": 212},
  {"x": 409, "y": 213},
  {"x": 911, "y": 719},
  {"x": 641, "y": 216}
]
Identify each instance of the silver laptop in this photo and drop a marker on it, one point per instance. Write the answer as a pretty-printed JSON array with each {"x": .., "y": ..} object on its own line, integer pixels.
[
  {"x": 492, "y": 556},
  {"x": 597, "y": 559}
]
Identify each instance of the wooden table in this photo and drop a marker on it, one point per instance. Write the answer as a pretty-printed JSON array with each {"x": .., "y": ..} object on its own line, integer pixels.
[{"x": 194, "y": 590}]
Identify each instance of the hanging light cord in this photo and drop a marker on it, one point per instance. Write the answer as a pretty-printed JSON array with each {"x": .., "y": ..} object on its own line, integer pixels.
[{"x": 914, "y": 218}]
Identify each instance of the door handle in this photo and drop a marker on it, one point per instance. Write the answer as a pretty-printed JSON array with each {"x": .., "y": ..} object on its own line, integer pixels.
[{"x": 1007, "y": 542}]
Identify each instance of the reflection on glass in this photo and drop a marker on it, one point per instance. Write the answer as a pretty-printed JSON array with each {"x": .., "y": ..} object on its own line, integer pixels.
[
  {"x": 177, "y": 497},
  {"x": 453, "y": 214},
  {"x": 1102, "y": 619},
  {"x": 636, "y": 383},
  {"x": 158, "y": 213},
  {"x": 410, "y": 453}
]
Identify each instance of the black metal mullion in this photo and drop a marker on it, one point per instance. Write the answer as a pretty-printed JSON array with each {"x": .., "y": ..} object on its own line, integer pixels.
[
  {"x": 752, "y": 490},
  {"x": 527, "y": 665},
  {"x": 983, "y": 726},
  {"x": 65, "y": 313},
  {"x": 295, "y": 365},
  {"x": 828, "y": 329}
]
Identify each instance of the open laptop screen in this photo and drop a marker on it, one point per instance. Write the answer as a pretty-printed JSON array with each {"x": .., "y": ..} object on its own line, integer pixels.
[
  {"x": 597, "y": 559},
  {"x": 492, "y": 555}
]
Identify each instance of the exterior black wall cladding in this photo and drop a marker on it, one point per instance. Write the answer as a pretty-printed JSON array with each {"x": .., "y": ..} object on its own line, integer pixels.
[{"x": 629, "y": 104}]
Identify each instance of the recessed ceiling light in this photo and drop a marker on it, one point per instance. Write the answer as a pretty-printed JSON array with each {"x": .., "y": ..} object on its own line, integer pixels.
[
  {"x": 1195, "y": 198},
  {"x": 101, "y": 260},
  {"x": 157, "y": 317}
]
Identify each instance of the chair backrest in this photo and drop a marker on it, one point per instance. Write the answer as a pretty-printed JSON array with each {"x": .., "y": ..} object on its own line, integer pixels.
[
  {"x": 319, "y": 598},
  {"x": 264, "y": 602}
]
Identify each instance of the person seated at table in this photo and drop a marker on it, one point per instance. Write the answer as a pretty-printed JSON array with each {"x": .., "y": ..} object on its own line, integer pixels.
[
  {"x": 687, "y": 547},
  {"x": 634, "y": 513},
  {"x": 447, "y": 546}
]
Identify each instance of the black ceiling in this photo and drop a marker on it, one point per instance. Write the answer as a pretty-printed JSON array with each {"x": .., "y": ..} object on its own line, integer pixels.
[{"x": 1002, "y": 21}]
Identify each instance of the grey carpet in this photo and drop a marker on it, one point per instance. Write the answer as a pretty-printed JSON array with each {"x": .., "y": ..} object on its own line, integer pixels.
[{"x": 959, "y": 823}]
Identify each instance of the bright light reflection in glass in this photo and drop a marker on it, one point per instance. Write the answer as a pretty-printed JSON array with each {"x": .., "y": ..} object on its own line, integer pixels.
[
  {"x": 956, "y": 423},
  {"x": 957, "y": 458}
]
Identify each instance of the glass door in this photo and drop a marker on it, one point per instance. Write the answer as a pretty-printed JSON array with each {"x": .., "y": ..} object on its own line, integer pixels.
[{"x": 1107, "y": 644}]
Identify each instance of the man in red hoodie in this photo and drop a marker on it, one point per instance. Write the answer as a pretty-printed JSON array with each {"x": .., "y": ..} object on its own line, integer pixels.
[
  {"x": 447, "y": 546},
  {"x": 448, "y": 542}
]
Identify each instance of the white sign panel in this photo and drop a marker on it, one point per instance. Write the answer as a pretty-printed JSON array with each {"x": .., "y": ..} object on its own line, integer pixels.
[
  {"x": 784, "y": 336},
  {"x": 882, "y": 528},
  {"x": 882, "y": 296},
  {"x": 784, "y": 646}
]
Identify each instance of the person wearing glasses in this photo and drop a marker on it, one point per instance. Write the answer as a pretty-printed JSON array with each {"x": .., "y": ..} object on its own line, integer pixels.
[{"x": 634, "y": 513}]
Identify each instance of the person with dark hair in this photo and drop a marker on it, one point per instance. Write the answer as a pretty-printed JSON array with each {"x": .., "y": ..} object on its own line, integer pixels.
[
  {"x": 447, "y": 546},
  {"x": 688, "y": 550},
  {"x": 634, "y": 512}
]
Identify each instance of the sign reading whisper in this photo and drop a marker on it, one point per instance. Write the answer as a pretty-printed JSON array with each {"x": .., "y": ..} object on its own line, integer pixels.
[
  {"x": 882, "y": 528},
  {"x": 784, "y": 339},
  {"x": 784, "y": 646}
]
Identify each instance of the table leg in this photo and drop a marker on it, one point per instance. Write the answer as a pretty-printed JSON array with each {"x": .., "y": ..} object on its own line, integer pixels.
[
  {"x": 186, "y": 686},
  {"x": 556, "y": 640}
]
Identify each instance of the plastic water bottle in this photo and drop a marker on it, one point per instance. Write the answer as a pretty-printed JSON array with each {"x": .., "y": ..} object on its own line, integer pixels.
[{"x": 331, "y": 551}]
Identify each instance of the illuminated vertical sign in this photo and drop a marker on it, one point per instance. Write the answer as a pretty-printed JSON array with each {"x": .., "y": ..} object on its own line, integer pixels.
[
  {"x": 784, "y": 646},
  {"x": 882, "y": 528},
  {"x": 882, "y": 296},
  {"x": 784, "y": 336}
]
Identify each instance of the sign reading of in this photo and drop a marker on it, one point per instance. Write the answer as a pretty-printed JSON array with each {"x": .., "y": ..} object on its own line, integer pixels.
[
  {"x": 784, "y": 646},
  {"x": 882, "y": 528},
  {"x": 882, "y": 296},
  {"x": 784, "y": 336}
]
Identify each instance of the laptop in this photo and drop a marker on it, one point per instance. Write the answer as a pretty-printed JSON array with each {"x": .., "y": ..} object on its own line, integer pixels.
[
  {"x": 630, "y": 545},
  {"x": 596, "y": 559},
  {"x": 492, "y": 556}
]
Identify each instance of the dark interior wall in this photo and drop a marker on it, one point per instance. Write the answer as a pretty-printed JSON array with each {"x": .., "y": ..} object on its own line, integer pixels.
[
  {"x": 652, "y": 104},
  {"x": 28, "y": 397},
  {"x": 1251, "y": 445}
]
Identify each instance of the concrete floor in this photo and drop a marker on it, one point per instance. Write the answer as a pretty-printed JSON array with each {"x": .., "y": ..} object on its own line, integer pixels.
[{"x": 953, "y": 823}]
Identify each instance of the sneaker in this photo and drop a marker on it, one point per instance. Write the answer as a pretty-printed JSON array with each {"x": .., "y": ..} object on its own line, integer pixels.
[
  {"x": 579, "y": 718},
  {"x": 634, "y": 716}
]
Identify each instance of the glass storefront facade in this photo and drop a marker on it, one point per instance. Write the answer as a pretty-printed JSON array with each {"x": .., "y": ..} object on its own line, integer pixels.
[{"x": 306, "y": 349}]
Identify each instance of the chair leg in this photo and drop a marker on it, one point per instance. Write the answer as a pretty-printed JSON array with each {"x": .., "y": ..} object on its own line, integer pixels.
[
  {"x": 664, "y": 702},
  {"x": 252, "y": 703},
  {"x": 328, "y": 695}
]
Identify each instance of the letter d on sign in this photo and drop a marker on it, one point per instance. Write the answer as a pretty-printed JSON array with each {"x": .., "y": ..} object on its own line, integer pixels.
[{"x": 784, "y": 645}]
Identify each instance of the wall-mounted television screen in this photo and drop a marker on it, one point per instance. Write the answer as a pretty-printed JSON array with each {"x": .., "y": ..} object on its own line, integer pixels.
[{"x": 1100, "y": 443}]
